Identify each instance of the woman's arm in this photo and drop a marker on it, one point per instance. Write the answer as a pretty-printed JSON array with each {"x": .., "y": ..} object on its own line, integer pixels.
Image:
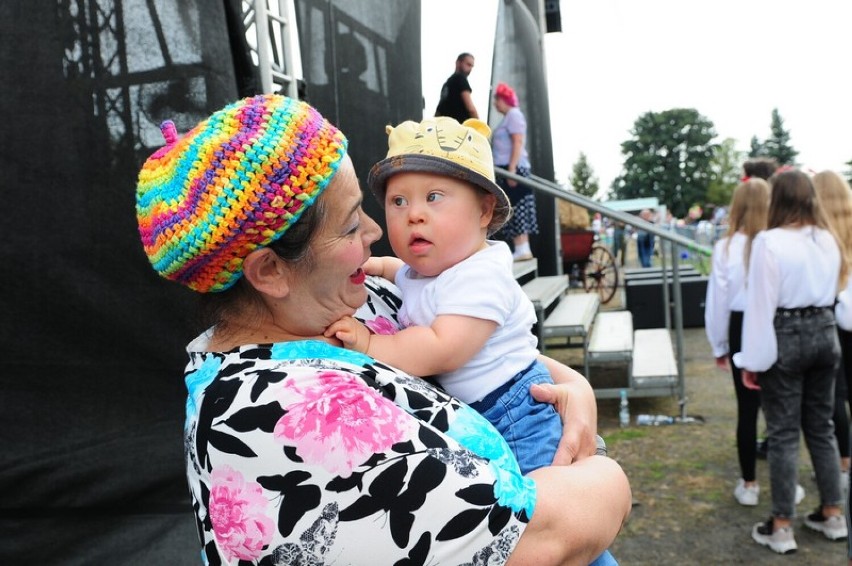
[
  {"x": 843, "y": 308},
  {"x": 575, "y": 401},
  {"x": 579, "y": 511},
  {"x": 517, "y": 148},
  {"x": 716, "y": 312},
  {"x": 759, "y": 348}
]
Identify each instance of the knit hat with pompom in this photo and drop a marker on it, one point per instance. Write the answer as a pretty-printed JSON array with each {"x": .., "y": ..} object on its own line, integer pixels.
[{"x": 233, "y": 184}]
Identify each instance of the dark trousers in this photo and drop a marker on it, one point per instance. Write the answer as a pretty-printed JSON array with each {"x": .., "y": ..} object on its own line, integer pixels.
[
  {"x": 841, "y": 390},
  {"x": 748, "y": 404},
  {"x": 797, "y": 392},
  {"x": 645, "y": 248}
]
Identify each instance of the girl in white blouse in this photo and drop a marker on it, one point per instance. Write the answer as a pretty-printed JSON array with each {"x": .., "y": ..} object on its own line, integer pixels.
[
  {"x": 791, "y": 353},
  {"x": 835, "y": 198},
  {"x": 723, "y": 317}
]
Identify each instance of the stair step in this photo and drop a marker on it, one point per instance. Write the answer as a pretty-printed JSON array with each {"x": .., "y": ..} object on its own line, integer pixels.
[
  {"x": 544, "y": 291},
  {"x": 573, "y": 315},
  {"x": 654, "y": 362},
  {"x": 612, "y": 337}
]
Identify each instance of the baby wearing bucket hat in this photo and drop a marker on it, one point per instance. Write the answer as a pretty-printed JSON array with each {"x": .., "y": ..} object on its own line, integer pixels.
[{"x": 466, "y": 319}]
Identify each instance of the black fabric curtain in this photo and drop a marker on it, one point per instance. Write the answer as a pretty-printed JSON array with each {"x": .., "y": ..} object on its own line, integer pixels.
[
  {"x": 361, "y": 61},
  {"x": 91, "y": 340},
  {"x": 91, "y": 392}
]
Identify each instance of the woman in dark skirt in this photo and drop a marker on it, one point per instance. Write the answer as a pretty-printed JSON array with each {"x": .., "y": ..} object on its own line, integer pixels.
[{"x": 510, "y": 153}]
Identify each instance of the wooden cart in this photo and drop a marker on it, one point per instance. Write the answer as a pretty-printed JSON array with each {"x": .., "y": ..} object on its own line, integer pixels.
[{"x": 591, "y": 261}]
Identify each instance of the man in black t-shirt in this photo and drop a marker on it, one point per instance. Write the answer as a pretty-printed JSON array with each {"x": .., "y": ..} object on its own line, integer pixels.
[{"x": 456, "y": 101}]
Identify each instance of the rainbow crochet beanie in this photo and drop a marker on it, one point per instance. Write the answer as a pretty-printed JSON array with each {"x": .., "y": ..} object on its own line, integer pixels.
[{"x": 236, "y": 182}]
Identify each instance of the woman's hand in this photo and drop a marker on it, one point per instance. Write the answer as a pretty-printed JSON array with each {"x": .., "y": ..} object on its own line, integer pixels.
[
  {"x": 722, "y": 362},
  {"x": 750, "y": 380},
  {"x": 575, "y": 402}
]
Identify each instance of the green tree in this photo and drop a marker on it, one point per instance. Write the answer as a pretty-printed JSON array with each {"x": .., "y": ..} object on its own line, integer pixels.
[
  {"x": 668, "y": 157},
  {"x": 777, "y": 145},
  {"x": 756, "y": 148},
  {"x": 583, "y": 177},
  {"x": 726, "y": 170}
]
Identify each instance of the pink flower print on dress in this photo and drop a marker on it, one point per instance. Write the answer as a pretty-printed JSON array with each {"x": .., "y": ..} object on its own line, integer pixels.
[
  {"x": 237, "y": 512},
  {"x": 381, "y": 325},
  {"x": 339, "y": 423}
]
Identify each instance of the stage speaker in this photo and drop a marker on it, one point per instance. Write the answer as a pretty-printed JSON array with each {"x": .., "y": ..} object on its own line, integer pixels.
[
  {"x": 644, "y": 299},
  {"x": 686, "y": 270},
  {"x": 552, "y": 16}
]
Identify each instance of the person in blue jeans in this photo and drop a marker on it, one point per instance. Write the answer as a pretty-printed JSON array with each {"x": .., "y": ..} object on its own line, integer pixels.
[
  {"x": 465, "y": 318},
  {"x": 645, "y": 241}
]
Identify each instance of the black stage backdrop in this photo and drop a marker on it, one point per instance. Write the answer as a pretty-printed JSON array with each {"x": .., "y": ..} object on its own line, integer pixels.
[
  {"x": 361, "y": 61},
  {"x": 91, "y": 389}
]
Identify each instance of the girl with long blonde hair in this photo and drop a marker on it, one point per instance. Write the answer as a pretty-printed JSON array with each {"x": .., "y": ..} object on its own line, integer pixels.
[
  {"x": 835, "y": 198},
  {"x": 723, "y": 317}
]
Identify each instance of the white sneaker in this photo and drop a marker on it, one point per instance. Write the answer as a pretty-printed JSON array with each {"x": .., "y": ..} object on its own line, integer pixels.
[
  {"x": 746, "y": 495},
  {"x": 800, "y": 494},
  {"x": 833, "y": 528},
  {"x": 781, "y": 541}
]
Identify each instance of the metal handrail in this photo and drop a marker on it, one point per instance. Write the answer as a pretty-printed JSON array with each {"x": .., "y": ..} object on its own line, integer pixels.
[
  {"x": 551, "y": 188},
  {"x": 674, "y": 240}
]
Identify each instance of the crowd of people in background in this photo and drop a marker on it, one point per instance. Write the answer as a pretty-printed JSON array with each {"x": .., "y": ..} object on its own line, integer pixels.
[
  {"x": 781, "y": 253},
  {"x": 770, "y": 319}
]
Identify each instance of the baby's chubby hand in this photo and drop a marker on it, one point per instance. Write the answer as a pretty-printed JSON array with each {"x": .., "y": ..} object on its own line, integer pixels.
[
  {"x": 353, "y": 334},
  {"x": 373, "y": 266}
]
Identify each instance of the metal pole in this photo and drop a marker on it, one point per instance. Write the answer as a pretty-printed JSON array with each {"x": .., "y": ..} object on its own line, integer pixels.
[
  {"x": 678, "y": 316},
  {"x": 664, "y": 248},
  {"x": 261, "y": 23}
]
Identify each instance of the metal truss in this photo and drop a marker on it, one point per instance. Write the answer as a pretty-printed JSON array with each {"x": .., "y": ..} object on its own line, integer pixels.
[{"x": 270, "y": 30}]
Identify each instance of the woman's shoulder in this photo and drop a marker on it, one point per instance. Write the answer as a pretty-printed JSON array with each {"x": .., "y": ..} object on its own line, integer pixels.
[{"x": 516, "y": 116}]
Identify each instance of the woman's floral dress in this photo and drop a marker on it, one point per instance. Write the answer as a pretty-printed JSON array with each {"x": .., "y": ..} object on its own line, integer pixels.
[{"x": 304, "y": 453}]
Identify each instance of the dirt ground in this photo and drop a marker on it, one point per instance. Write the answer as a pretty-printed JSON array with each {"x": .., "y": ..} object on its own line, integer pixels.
[{"x": 683, "y": 476}]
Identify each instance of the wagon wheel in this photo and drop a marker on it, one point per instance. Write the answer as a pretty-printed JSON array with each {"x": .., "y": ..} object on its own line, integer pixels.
[{"x": 600, "y": 273}]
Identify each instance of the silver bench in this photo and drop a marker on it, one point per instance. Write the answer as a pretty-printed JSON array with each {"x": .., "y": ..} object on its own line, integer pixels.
[
  {"x": 654, "y": 365},
  {"x": 611, "y": 343},
  {"x": 572, "y": 318},
  {"x": 525, "y": 267},
  {"x": 543, "y": 292}
]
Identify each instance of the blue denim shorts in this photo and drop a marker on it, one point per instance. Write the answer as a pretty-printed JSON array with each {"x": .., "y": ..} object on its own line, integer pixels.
[{"x": 531, "y": 429}]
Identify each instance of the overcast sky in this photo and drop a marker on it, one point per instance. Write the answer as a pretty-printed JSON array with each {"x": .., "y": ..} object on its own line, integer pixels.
[{"x": 732, "y": 60}]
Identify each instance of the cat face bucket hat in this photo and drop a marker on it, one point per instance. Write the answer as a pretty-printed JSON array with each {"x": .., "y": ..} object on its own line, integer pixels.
[{"x": 442, "y": 146}]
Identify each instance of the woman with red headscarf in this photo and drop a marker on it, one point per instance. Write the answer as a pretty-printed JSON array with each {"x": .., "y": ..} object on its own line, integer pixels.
[{"x": 508, "y": 145}]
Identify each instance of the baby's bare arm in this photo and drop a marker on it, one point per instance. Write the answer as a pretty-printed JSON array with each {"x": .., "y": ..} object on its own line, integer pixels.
[
  {"x": 447, "y": 345},
  {"x": 353, "y": 334},
  {"x": 383, "y": 266}
]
